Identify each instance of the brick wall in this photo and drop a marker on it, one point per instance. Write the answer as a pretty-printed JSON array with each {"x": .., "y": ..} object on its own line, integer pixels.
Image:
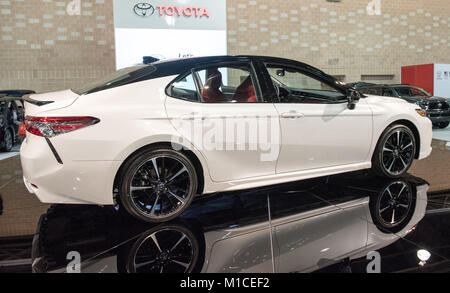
[
  {"x": 43, "y": 48},
  {"x": 341, "y": 38}
]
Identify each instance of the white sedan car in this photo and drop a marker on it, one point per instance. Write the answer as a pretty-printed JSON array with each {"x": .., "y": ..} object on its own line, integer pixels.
[{"x": 152, "y": 137}]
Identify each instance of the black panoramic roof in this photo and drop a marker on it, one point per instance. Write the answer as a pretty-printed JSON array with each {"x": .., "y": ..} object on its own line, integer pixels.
[
  {"x": 178, "y": 66},
  {"x": 172, "y": 67}
]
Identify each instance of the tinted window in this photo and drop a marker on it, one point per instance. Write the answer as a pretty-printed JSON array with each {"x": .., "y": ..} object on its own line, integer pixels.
[
  {"x": 184, "y": 89},
  {"x": 293, "y": 86},
  {"x": 118, "y": 78},
  {"x": 225, "y": 84}
]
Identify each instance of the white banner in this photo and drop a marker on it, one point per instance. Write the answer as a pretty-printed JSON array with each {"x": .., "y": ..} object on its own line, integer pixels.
[{"x": 168, "y": 29}]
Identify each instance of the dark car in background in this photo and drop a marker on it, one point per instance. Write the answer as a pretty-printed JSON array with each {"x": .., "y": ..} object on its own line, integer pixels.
[
  {"x": 16, "y": 93},
  {"x": 437, "y": 109},
  {"x": 11, "y": 116}
]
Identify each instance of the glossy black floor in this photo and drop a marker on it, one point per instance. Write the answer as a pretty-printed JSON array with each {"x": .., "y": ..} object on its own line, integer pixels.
[
  {"x": 331, "y": 224},
  {"x": 327, "y": 224}
]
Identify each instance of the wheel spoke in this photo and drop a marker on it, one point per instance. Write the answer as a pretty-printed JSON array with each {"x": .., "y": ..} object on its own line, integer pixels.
[
  {"x": 179, "y": 241},
  {"x": 401, "y": 191},
  {"x": 393, "y": 216},
  {"x": 385, "y": 149},
  {"x": 185, "y": 265},
  {"x": 389, "y": 191},
  {"x": 403, "y": 162},
  {"x": 155, "y": 166},
  {"x": 403, "y": 206},
  {"x": 135, "y": 188},
  {"x": 409, "y": 145},
  {"x": 182, "y": 200},
  {"x": 163, "y": 169},
  {"x": 383, "y": 210},
  {"x": 398, "y": 138},
  {"x": 153, "y": 237},
  {"x": 152, "y": 212},
  {"x": 137, "y": 266},
  {"x": 184, "y": 169},
  {"x": 392, "y": 164}
]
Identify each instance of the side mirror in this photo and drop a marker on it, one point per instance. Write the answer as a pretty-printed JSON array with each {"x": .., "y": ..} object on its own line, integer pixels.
[
  {"x": 353, "y": 98},
  {"x": 281, "y": 73}
]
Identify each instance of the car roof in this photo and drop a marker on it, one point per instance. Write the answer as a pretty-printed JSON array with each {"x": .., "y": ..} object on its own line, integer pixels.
[{"x": 181, "y": 65}]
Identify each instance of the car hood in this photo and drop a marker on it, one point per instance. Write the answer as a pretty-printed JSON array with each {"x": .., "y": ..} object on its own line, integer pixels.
[
  {"x": 37, "y": 103},
  {"x": 383, "y": 99},
  {"x": 424, "y": 100}
]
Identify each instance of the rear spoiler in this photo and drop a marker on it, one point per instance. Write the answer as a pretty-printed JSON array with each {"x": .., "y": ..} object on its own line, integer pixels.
[{"x": 27, "y": 99}]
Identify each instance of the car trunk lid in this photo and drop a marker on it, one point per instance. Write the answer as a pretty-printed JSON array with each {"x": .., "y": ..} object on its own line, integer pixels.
[{"x": 38, "y": 103}]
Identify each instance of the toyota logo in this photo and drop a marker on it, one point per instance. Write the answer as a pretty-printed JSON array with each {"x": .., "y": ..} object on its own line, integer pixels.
[{"x": 144, "y": 9}]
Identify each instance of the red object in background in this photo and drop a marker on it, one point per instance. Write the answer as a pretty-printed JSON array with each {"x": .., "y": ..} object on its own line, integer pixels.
[
  {"x": 22, "y": 130},
  {"x": 419, "y": 75}
]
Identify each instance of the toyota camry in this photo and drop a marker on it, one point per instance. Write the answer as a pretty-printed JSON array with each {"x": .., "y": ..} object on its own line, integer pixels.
[{"x": 152, "y": 137}]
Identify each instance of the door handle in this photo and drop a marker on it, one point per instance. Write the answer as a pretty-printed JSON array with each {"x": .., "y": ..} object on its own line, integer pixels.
[{"x": 292, "y": 115}]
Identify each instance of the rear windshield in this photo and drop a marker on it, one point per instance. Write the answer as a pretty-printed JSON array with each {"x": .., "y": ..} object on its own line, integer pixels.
[{"x": 117, "y": 78}]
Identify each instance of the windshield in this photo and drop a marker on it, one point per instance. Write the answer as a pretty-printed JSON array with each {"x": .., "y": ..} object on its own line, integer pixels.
[
  {"x": 411, "y": 92},
  {"x": 117, "y": 78}
]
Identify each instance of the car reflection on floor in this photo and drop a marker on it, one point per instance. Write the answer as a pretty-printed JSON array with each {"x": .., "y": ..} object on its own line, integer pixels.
[{"x": 299, "y": 227}]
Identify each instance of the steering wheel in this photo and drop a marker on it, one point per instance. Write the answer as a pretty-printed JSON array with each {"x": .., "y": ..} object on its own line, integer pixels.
[{"x": 282, "y": 92}]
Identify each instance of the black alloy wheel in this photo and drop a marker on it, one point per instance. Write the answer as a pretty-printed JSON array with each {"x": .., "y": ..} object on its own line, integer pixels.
[
  {"x": 166, "y": 249},
  {"x": 395, "y": 152},
  {"x": 158, "y": 185},
  {"x": 393, "y": 207}
]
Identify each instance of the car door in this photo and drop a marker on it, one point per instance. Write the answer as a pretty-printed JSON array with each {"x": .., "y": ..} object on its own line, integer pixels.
[
  {"x": 219, "y": 109},
  {"x": 316, "y": 224},
  {"x": 318, "y": 128}
]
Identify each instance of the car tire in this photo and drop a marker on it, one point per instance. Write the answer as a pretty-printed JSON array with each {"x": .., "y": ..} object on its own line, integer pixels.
[
  {"x": 157, "y": 185},
  {"x": 177, "y": 244},
  {"x": 393, "y": 207},
  {"x": 8, "y": 141},
  {"x": 443, "y": 125},
  {"x": 393, "y": 158}
]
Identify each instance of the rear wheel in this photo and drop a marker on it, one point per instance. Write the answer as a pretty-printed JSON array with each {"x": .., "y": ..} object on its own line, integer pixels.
[
  {"x": 158, "y": 185},
  {"x": 395, "y": 152},
  {"x": 8, "y": 141}
]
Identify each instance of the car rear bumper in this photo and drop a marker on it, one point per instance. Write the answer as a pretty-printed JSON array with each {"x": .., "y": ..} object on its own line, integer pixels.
[{"x": 72, "y": 182}]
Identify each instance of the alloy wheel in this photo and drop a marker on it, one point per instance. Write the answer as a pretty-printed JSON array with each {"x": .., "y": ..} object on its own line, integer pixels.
[
  {"x": 168, "y": 250},
  {"x": 160, "y": 187},
  {"x": 398, "y": 152},
  {"x": 394, "y": 204}
]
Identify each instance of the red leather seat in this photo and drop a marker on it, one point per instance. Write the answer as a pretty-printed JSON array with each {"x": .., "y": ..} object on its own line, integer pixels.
[
  {"x": 211, "y": 91},
  {"x": 245, "y": 93}
]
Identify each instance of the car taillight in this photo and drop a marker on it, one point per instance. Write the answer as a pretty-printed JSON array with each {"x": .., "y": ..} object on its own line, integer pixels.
[{"x": 53, "y": 126}]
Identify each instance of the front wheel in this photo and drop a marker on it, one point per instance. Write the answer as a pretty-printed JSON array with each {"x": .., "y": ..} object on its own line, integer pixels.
[
  {"x": 158, "y": 185},
  {"x": 442, "y": 125},
  {"x": 395, "y": 152}
]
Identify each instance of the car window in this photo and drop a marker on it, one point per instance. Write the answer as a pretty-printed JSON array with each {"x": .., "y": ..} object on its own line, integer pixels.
[
  {"x": 404, "y": 91},
  {"x": 419, "y": 92},
  {"x": 115, "y": 79},
  {"x": 293, "y": 86},
  {"x": 185, "y": 89},
  {"x": 388, "y": 93},
  {"x": 371, "y": 91},
  {"x": 227, "y": 84}
]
